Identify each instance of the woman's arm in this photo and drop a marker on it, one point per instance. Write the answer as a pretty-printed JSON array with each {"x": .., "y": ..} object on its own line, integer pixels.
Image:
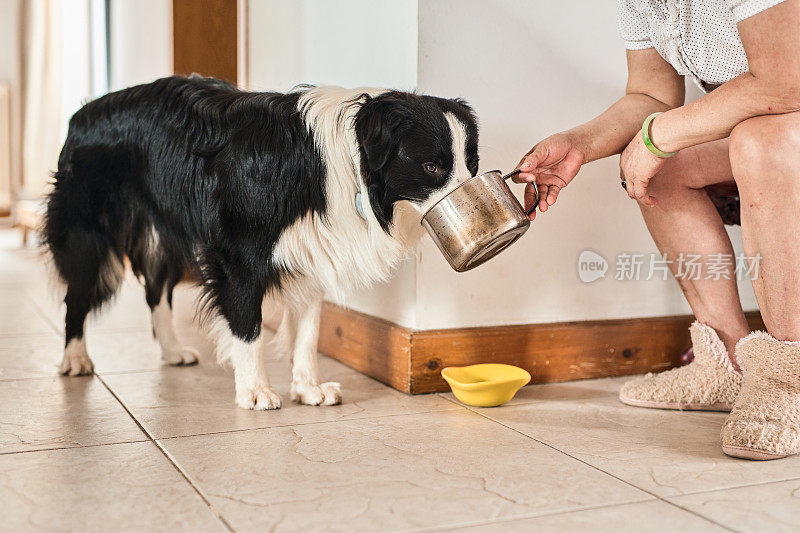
[
  {"x": 653, "y": 85},
  {"x": 772, "y": 86},
  {"x": 771, "y": 40}
]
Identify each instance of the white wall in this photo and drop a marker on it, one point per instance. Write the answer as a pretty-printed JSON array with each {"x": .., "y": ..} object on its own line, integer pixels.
[
  {"x": 76, "y": 78},
  {"x": 141, "y": 41},
  {"x": 347, "y": 42},
  {"x": 529, "y": 68}
]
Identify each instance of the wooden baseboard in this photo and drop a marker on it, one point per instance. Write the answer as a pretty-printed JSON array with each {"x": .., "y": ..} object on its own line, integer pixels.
[{"x": 411, "y": 361}]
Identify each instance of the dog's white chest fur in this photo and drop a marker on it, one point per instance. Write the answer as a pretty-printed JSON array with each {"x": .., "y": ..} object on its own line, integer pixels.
[{"x": 342, "y": 250}]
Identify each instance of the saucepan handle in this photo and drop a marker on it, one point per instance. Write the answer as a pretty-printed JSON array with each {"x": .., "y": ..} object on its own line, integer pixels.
[{"x": 535, "y": 189}]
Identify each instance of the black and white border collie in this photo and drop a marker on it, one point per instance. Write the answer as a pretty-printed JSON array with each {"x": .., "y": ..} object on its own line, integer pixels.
[{"x": 290, "y": 196}]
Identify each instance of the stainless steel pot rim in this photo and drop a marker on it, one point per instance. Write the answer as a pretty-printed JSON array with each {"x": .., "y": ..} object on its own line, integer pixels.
[
  {"x": 455, "y": 189},
  {"x": 508, "y": 237}
]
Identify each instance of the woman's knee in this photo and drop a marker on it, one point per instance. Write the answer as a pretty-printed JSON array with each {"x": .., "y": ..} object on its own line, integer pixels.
[{"x": 766, "y": 149}]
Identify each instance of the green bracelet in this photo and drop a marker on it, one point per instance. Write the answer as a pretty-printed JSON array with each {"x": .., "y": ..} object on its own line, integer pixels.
[{"x": 649, "y": 143}]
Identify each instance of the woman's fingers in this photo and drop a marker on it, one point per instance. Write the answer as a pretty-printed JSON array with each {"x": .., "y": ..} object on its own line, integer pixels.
[
  {"x": 640, "y": 194},
  {"x": 552, "y": 194},
  {"x": 648, "y": 200},
  {"x": 532, "y": 159},
  {"x": 529, "y": 195},
  {"x": 530, "y": 198},
  {"x": 543, "y": 192},
  {"x": 645, "y": 198},
  {"x": 548, "y": 194},
  {"x": 524, "y": 177},
  {"x": 631, "y": 188},
  {"x": 637, "y": 190}
]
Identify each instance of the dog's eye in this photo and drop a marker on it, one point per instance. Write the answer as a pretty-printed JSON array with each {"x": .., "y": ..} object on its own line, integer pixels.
[
  {"x": 431, "y": 168},
  {"x": 473, "y": 163}
]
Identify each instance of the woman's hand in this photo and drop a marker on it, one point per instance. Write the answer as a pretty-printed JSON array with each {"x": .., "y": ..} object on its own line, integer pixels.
[
  {"x": 637, "y": 167},
  {"x": 550, "y": 165}
]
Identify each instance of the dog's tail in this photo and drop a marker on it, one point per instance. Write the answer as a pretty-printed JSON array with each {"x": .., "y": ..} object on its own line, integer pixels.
[{"x": 75, "y": 232}]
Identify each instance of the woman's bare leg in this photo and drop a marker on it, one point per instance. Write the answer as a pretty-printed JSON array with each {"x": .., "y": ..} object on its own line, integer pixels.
[
  {"x": 765, "y": 156},
  {"x": 685, "y": 221}
]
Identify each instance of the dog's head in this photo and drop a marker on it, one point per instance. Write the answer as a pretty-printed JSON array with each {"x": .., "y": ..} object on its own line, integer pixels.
[{"x": 415, "y": 148}]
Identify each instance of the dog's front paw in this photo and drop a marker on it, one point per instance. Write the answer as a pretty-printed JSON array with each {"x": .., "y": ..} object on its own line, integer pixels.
[
  {"x": 260, "y": 398},
  {"x": 181, "y": 357},
  {"x": 322, "y": 394}
]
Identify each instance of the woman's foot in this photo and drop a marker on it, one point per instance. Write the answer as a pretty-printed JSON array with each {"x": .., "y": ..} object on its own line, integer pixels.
[
  {"x": 709, "y": 383},
  {"x": 765, "y": 420}
]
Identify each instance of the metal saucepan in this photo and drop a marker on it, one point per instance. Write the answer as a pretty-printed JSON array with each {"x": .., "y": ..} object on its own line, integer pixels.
[{"x": 477, "y": 220}]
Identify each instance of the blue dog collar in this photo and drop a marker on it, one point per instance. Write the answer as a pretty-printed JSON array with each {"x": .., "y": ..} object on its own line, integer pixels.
[{"x": 359, "y": 207}]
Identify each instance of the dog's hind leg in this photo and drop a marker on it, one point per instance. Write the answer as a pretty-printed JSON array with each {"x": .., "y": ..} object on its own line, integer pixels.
[
  {"x": 283, "y": 341},
  {"x": 158, "y": 292},
  {"x": 161, "y": 274},
  {"x": 173, "y": 352},
  {"x": 306, "y": 383},
  {"x": 93, "y": 274},
  {"x": 76, "y": 360}
]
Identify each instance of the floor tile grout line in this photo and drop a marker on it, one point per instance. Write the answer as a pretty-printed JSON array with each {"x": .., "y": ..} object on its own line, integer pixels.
[
  {"x": 169, "y": 458},
  {"x": 525, "y": 516},
  {"x": 600, "y": 469},
  {"x": 700, "y": 515},
  {"x": 194, "y": 485},
  {"x": 265, "y": 428},
  {"x": 79, "y": 447},
  {"x": 57, "y": 375},
  {"x": 735, "y": 487}
]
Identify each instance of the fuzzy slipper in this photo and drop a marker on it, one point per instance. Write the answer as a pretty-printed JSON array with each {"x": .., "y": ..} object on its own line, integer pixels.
[
  {"x": 709, "y": 383},
  {"x": 765, "y": 420}
]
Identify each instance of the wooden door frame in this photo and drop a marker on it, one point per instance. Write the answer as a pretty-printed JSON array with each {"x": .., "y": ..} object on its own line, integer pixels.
[{"x": 237, "y": 65}]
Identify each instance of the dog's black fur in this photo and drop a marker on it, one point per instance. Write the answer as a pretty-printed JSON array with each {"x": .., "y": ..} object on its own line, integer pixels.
[{"x": 193, "y": 174}]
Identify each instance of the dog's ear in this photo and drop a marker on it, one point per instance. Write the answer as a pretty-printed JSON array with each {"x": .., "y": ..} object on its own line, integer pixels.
[{"x": 379, "y": 124}]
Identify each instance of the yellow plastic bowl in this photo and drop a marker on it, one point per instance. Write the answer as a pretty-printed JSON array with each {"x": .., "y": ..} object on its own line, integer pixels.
[{"x": 486, "y": 385}]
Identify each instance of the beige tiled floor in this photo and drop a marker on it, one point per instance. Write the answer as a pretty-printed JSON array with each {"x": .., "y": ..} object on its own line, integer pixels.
[{"x": 145, "y": 447}]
